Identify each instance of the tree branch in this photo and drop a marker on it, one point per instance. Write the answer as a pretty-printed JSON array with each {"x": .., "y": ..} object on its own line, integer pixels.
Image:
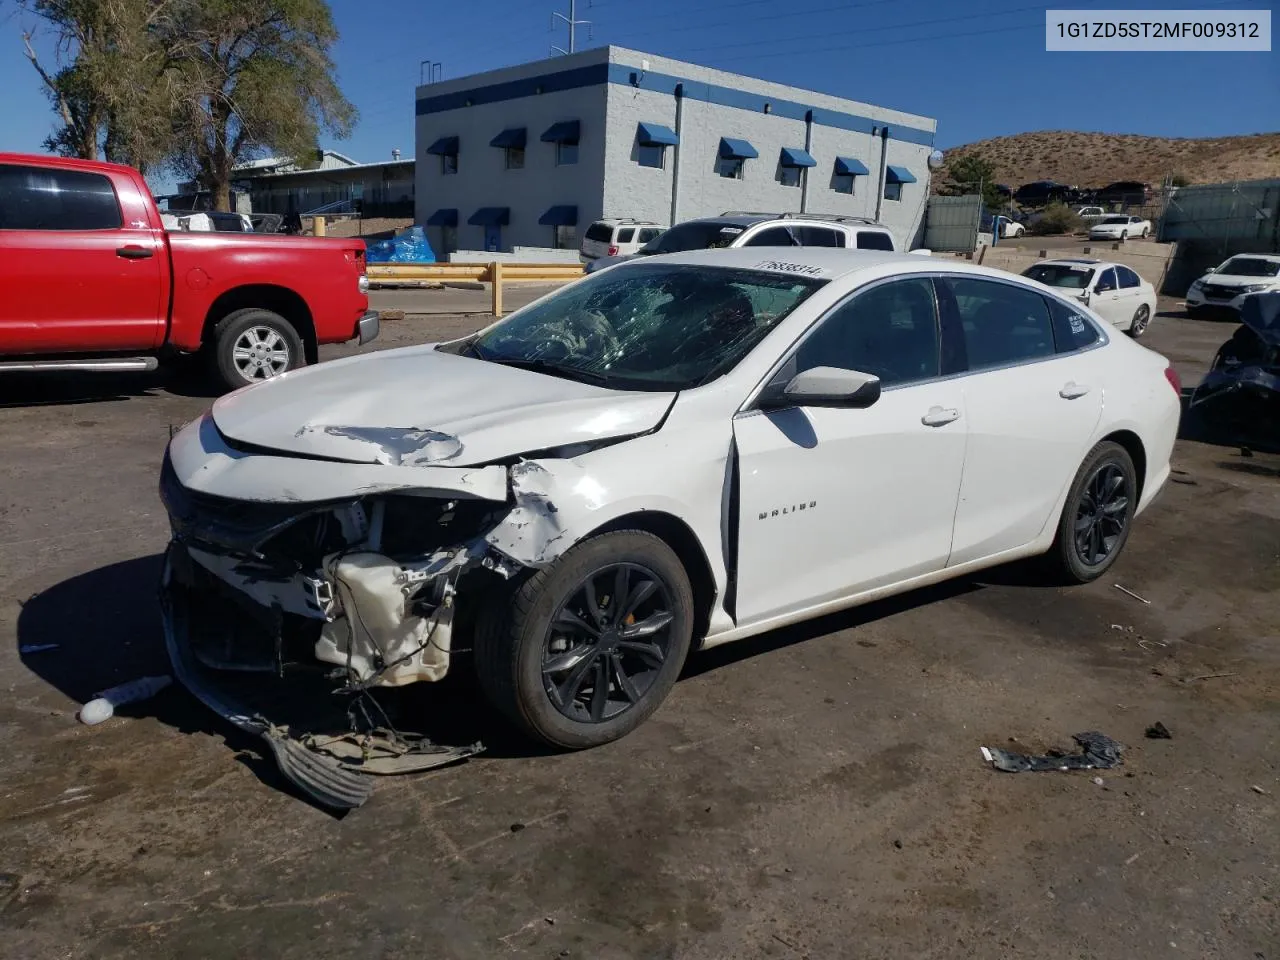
[{"x": 64, "y": 109}]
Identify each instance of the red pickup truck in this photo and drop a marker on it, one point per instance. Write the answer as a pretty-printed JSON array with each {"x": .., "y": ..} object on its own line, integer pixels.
[{"x": 91, "y": 280}]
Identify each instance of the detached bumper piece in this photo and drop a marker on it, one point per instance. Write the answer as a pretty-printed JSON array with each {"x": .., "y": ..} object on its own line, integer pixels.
[
  {"x": 235, "y": 656},
  {"x": 368, "y": 327}
]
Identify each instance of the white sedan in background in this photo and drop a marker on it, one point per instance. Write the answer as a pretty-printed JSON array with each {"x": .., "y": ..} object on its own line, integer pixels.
[
  {"x": 1119, "y": 227},
  {"x": 1111, "y": 290},
  {"x": 675, "y": 453}
]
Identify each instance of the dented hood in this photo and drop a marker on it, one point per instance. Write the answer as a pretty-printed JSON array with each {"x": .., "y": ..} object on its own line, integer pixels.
[{"x": 419, "y": 407}]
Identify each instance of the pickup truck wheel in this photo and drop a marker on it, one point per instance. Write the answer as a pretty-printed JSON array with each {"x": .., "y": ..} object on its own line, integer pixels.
[{"x": 252, "y": 345}]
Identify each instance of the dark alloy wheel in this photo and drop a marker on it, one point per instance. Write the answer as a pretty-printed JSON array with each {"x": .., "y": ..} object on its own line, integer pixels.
[
  {"x": 607, "y": 643},
  {"x": 1140, "y": 321},
  {"x": 1097, "y": 515},
  {"x": 585, "y": 649}
]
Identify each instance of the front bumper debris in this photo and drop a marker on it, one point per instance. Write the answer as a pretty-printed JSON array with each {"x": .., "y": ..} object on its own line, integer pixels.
[
  {"x": 368, "y": 327},
  {"x": 330, "y": 757}
]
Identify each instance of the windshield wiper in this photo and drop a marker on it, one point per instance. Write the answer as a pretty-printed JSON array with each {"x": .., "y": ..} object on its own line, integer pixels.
[{"x": 538, "y": 365}]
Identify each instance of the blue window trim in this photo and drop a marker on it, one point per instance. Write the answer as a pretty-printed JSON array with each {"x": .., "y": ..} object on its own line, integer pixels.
[
  {"x": 490, "y": 217},
  {"x": 445, "y": 146},
  {"x": 563, "y": 215},
  {"x": 444, "y": 217},
  {"x": 851, "y": 167},
  {"x": 513, "y": 137},
  {"x": 894, "y": 174},
  {"x": 795, "y": 157},
  {"x": 621, "y": 74},
  {"x": 656, "y": 135},
  {"x": 733, "y": 148}
]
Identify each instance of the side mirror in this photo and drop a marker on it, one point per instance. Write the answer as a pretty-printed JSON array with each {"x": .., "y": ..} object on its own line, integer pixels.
[{"x": 823, "y": 387}]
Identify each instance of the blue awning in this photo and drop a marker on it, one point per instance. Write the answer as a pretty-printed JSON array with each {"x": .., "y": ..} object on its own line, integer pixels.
[
  {"x": 894, "y": 174},
  {"x": 444, "y": 146},
  {"x": 656, "y": 135},
  {"x": 561, "y": 216},
  {"x": 851, "y": 167},
  {"x": 733, "y": 149},
  {"x": 490, "y": 217},
  {"x": 445, "y": 217},
  {"x": 515, "y": 137},
  {"x": 566, "y": 131},
  {"x": 795, "y": 157}
]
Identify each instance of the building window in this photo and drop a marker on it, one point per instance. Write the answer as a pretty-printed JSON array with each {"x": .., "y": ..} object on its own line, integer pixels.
[
  {"x": 893, "y": 191},
  {"x": 515, "y": 158},
  {"x": 843, "y": 184},
  {"x": 566, "y": 154},
  {"x": 789, "y": 177},
  {"x": 652, "y": 155},
  {"x": 448, "y": 163},
  {"x": 565, "y": 237},
  {"x": 730, "y": 167},
  {"x": 448, "y": 239}
]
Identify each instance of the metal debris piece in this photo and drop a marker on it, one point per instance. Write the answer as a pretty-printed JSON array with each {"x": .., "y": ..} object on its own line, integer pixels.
[
  {"x": 1158, "y": 731},
  {"x": 1257, "y": 789},
  {"x": 1130, "y": 593},
  {"x": 1099, "y": 752}
]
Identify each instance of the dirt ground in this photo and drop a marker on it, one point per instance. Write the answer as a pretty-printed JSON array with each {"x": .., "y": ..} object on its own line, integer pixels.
[{"x": 817, "y": 792}]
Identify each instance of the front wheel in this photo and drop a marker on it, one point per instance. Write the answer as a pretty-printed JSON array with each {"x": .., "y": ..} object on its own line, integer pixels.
[
  {"x": 1145, "y": 232},
  {"x": 1141, "y": 320},
  {"x": 1124, "y": 235},
  {"x": 252, "y": 345},
  {"x": 1096, "y": 517},
  {"x": 589, "y": 647}
]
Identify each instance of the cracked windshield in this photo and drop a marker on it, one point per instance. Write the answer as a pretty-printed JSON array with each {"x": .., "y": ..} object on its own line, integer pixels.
[{"x": 647, "y": 327}]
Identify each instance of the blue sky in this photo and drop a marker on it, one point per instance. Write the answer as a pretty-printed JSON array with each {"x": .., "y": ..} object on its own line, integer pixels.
[{"x": 979, "y": 67}]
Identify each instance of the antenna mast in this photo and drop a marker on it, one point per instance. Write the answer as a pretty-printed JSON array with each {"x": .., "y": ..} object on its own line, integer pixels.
[{"x": 573, "y": 23}]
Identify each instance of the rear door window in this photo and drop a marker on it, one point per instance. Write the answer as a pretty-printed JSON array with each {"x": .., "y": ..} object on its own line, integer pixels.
[
  {"x": 874, "y": 240},
  {"x": 1072, "y": 330},
  {"x": 1002, "y": 324},
  {"x": 41, "y": 198},
  {"x": 773, "y": 237},
  {"x": 1106, "y": 281}
]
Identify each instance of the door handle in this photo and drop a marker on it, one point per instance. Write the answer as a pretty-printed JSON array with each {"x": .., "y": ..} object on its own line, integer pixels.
[
  {"x": 938, "y": 417},
  {"x": 1073, "y": 390},
  {"x": 134, "y": 252}
]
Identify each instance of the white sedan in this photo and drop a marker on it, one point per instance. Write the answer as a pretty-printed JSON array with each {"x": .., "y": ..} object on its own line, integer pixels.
[
  {"x": 1119, "y": 227},
  {"x": 672, "y": 454},
  {"x": 1111, "y": 290}
]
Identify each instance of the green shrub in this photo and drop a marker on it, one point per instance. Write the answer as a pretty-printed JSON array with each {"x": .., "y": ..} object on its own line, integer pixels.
[{"x": 1058, "y": 218}]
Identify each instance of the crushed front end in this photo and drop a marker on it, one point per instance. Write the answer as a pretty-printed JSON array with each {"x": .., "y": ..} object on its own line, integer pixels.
[{"x": 285, "y": 616}]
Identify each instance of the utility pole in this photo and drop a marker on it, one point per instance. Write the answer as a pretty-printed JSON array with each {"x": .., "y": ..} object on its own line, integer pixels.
[{"x": 573, "y": 23}]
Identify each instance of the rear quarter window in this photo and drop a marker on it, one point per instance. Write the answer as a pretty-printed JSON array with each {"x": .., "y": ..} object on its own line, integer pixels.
[
  {"x": 600, "y": 232},
  {"x": 874, "y": 240},
  {"x": 626, "y": 234},
  {"x": 1072, "y": 330},
  {"x": 41, "y": 198}
]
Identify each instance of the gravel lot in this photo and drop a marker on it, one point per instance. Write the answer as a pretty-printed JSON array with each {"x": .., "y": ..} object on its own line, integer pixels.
[{"x": 817, "y": 792}]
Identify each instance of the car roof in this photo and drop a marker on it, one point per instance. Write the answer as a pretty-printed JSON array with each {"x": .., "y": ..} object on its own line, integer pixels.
[
  {"x": 1273, "y": 257},
  {"x": 827, "y": 263},
  {"x": 1080, "y": 261}
]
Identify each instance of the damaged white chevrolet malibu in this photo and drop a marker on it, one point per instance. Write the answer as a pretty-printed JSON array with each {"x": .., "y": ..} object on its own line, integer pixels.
[{"x": 676, "y": 453}]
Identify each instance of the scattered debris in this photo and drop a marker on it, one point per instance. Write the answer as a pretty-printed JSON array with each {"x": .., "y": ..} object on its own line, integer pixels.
[
  {"x": 898, "y": 844},
  {"x": 104, "y": 705},
  {"x": 1158, "y": 731},
  {"x": 1098, "y": 752},
  {"x": 1257, "y": 789},
  {"x": 1130, "y": 593},
  {"x": 1098, "y": 781},
  {"x": 1129, "y": 862},
  {"x": 37, "y": 648},
  {"x": 517, "y": 827},
  {"x": 1210, "y": 676},
  {"x": 550, "y": 920},
  {"x": 1143, "y": 641},
  {"x": 867, "y": 643}
]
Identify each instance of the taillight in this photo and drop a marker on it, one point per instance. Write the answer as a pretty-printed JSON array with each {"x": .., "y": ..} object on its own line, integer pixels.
[
  {"x": 613, "y": 249},
  {"x": 1175, "y": 381}
]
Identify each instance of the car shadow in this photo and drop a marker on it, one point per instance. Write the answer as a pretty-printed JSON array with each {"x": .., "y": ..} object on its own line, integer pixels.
[{"x": 183, "y": 378}]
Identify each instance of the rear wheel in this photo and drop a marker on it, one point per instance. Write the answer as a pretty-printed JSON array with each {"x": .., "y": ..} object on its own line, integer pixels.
[
  {"x": 1096, "y": 517},
  {"x": 589, "y": 647},
  {"x": 1141, "y": 320},
  {"x": 1124, "y": 235},
  {"x": 1145, "y": 232},
  {"x": 252, "y": 345}
]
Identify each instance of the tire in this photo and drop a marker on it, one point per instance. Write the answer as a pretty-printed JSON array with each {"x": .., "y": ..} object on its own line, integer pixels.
[
  {"x": 1140, "y": 321},
  {"x": 1124, "y": 235},
  {"x": 272, "y": 342},
  {"x": 1145, "y": 232},
  {"x": 515, "y": 642},
  {"x": 1065, "y": 560}
]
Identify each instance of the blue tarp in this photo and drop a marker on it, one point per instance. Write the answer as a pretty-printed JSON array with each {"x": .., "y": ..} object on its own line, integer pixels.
[{"x": 411, "y": 246}]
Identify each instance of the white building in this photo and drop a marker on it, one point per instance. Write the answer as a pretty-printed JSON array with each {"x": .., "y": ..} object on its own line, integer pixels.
[{"x": 528, "y": 155}]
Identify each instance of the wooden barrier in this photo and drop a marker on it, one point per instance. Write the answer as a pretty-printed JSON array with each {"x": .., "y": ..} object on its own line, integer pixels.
[{"x": 496, "y": 274}]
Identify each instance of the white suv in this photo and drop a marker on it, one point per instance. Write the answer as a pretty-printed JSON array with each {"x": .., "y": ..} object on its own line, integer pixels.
[
  {"x": 617, "y": 237},
  {"x": 741, "y": 229},
  {"x": 1226, "y": 285}
]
